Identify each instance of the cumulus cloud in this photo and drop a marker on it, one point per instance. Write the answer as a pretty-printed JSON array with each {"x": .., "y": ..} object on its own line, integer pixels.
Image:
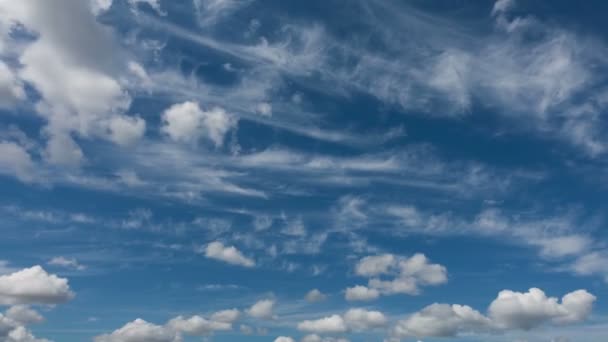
[
  {"x": 516, "y": 310},
  {"x": 315, "y": 295},
  {"x": 140, "y": 330},
  {"x": 262, "y": 309},
  {"x": 71, "y": 46},
  {"x": 356, "y": 319},
  {"x": 187, "y": 122},
  {"x": 407, "y": 275},
  {"x": 284, "y": 339},
  {"x": 33, "y": 286},
  {"x": 360, "y": 292},
  {"x": 13, "y": 324},
  {"x": 509, "y": 311},
  {"x": 16, "y": 161},
  {"x": 229, "y": 254}
]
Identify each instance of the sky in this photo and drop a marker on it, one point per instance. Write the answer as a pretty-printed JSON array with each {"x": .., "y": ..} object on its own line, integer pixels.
[{"x": 303, "y": 171}]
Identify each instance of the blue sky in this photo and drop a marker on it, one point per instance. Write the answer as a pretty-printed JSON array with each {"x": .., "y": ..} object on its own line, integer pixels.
[{"x": 312, "y": 171}]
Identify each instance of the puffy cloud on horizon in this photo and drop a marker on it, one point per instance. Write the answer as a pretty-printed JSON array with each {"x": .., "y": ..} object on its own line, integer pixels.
[
  {"x": 356, "y": 319},
  {"x": 509, "y": 311}
]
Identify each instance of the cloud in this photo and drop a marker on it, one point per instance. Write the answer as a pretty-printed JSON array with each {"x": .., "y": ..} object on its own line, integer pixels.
[
  {"x": 84, "y": 55},
  {"x": 352, "y": 320},
  {"x": 140, "y": 330},
  {"x": 229, "y": 254},
  {"x": 16, "y": 161},
  {"x": 361, "y": 293},
  {"x": 187, "y": 122},
  {"x": 126, "y": 130},
  {"x": 23, "y": 314},
  {"x": 67, "y": 262},
  {"x": 516, "y": 310},
  {"x": 284, "y": 339},
  {"x": 509, "y": 311},
  {"x": 262, "y": 309},
  {"x": 326, "y": 325},
  {"x": 441, "y": 320},
  {"x": 33, "y": 286},
  {"x": 11, "y": 88},
  {"x": 315, "y": 295},
  {"x": 407, "y": 274}
]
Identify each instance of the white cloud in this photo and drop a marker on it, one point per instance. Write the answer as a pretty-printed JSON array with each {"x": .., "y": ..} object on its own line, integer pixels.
[
  {"x": 73, "y": 47},
  {"x": 16, "y": 161},
  {"x": 262, "y": 309},
  {"x": 33, "y": 286},
  {"x": 516, "y": 310},
  {"x": 326, "y": 325},
  {"x": 62, "y": 150},
  {"x": 356, "y": 320},
  {"x": 315, "y": 295},
  {"x": 67, "y": 262},
  {"x": 197, "y": 325},
  {"x": 360, "y": 292},
  {"x": 187, "y": 122},
  {"x": 229, "y": 254},
  {"x": 441, "y": 320},
  {"x": 23, "y": 314},
  {"x": 509, "y": 311},
  {"x": 139, "y": 331},
  {"x": 126, "y": 130},
  {"x": 407, "y": 274},
  {"x": 359, "y": 319},
  {"x": 284, "y": 339},
  {"x": 375, "y": 265}
]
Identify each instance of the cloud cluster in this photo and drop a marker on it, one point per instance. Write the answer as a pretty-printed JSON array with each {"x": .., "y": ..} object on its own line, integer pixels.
[
  {"x": 509, "y": 311},
  {"x": 140, "y": 330},
  {"x": 352, "y": 320},
  {"x": 408, "y": 275}
]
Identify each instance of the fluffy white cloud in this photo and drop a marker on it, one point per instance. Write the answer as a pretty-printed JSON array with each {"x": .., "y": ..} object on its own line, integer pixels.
[
  {"x": 125, "y": 130},
  {"x": 217, "y": 250},
  {"x": 197, "y": 325},
  {"x": 33, "y": 286},
  {"x": 359, "y": 319},
  {"x": 360, "y": 292},
  {"x": 16, "y": 161},
  {"x": 187, "y": 122},
  {"x": 226, "y": 316},
  {"x": 262, "y": 309},
  {"x": 23, "y": 314},
  {"x": 284, "y": 339},
  {"x": 140, "y": 331},
  {"x": 516, "y": 310},
  {"x": 315, "y": 295},
  {"x": 326, "y": 325},
  {"x": 407, "y": 274},
  {"x": 441, "y": 320},
  {"x": 73, "y": 47},
  {"x": 352, "y": 320},
  {"x": 317, "y": 338},
  {"x": 509, "y": 311},
  {"x": 374, "y": 265}
]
